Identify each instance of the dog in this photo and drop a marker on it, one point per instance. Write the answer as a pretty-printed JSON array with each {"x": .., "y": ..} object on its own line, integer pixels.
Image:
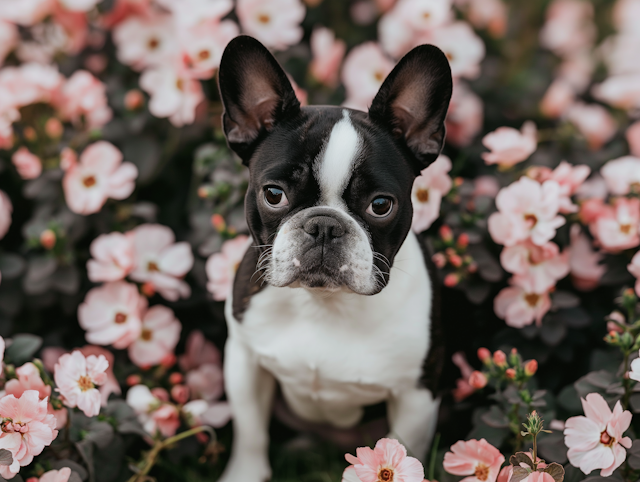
[{"x": 333, "y": 299}]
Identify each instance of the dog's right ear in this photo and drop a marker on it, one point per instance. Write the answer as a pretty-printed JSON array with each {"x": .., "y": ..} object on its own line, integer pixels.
[{"x": 256, "y": 94}]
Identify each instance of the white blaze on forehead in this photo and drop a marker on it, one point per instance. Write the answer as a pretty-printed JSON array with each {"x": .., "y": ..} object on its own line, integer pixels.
[{"x": 337, "y": 160}]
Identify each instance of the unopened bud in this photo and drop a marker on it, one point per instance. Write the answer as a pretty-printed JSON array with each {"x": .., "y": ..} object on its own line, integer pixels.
[
  {"x": 446, "y": 234},
  {"x": 48, "y": 239},
  {"x": 531, "y": 367},
  {"x": 30, "y": 134},
  {"x": 203, "y": 192},
  {"x": 180, "y": 393},
  {"x": 499, "y": 358},
  {"x": 133, "y": 380},
  {"x": 510, "y": 373},
  {"x": 160, "y": 393},
  {"x": 484, "y": 355},
  {"x": 133, "y": 100},
  {"x": 451, "y": 280},
  {"x": 626, "y": 339},
  {"x": 175, "y": 378},
  {"x": 54, "y": 128},
  {"x": 169, "y": 360},
  {"x": 148, "y": 289},
  {"x": 455, "y": 260},
  {"x": 478, "y": 380},
  {"x": 218, "y": 222},
  {"x": 613, "y": 326},
  {"x": 439, "y": 260},
  {"x": 463, "y": 241},
  {"x": 473, "y": 267}
]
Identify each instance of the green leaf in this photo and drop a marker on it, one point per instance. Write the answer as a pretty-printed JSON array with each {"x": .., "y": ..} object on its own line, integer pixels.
[
  {"x": 521, "y": 458},
  {"x": 556, "y": 471},
  {"x": 23, "y": 347}
]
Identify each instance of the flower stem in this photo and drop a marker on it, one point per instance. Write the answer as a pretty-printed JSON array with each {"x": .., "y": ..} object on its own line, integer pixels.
[
  {"x": 159, "y": 446},
  {"x": 434, "y": 454}
]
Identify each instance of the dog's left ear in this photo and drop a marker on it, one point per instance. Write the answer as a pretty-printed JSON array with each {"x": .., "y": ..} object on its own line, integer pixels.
[{"x": 413, "y": 101}]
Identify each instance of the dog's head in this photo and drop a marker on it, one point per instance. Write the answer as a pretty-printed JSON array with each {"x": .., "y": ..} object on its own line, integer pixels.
[{"x": 329, "y": 197}]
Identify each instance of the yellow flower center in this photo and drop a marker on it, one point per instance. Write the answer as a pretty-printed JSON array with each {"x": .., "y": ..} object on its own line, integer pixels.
[
  {"x": 120, "y": 318},
  {"x": 89, "y": 181},
  {"x": 85, "y": 383},
  {"x": 532, "y": 299},
  {"x": 423, "y": 195},
  {"x": 482, "y": 472},
  {"x": 385, "y": 475}
]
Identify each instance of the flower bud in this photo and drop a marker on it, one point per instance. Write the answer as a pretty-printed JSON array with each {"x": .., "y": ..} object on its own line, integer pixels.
[
  {"x": 478, "y": 380},
  {"x": 54, "y": 128},
  {"x": 133, "y": 100},
  {"x": 175, "y": 378},
  {"x": 218, "y": 222},
  {"x": 463, "y": 241},
  {"x": 48, "y": 239},
  {"x": 30, "y": 134},
  {"x": 455, "y": 260},
  {"x": 531, "y": 367},
  {"x": 148, "y": 289},
  {"x": 473, "y": 267},
  {"x": 510, "y": 373},
  {"x": 204, "y": 192},
  {"x": 626, "y": 340},
  {"x": 499, "y": 358},
  {"x": 68, "y": 158},
  {"x": 160, "y": 393},
  {"x": 180, "y": 393},
  {"x": 133, "y": 380},
  {"x": 613, "y": 326},
  {"x": 451, "y": 280},
  {"x": 484, "y": 355},
  {"x": 439, "y": 260},
  {"x": 32, "y": 479},
  {"x": 446, "y": 234}
]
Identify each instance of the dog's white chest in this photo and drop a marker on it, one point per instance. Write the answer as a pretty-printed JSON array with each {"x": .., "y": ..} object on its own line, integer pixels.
[{"x": 334, "y": 353}]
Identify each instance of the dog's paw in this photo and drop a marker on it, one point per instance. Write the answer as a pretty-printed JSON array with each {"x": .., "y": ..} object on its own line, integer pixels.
[{"x": 246, "y": 470}]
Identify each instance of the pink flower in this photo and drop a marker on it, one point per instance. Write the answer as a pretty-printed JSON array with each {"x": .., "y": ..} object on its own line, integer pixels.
[
  {"x": 203, "y": 44},
  {"x": 188, "y": 13},
  {"x": 221, "y": 267},
  {"x": 99, "y": 175},
  {"x": 174, "y": 93},
  {"x": 111, "y": 385},
  {"x": 111, "y": 314},
  {"x": 626, "y": 15},
  {"x": 569, "y": 178},
  {"x": 275, "y": 23},
  {"x": 154, "y": 415},
  {"x": 526, "y": 209},
  {"x": 61, "y": 475},
  {"x": 486, "y": 186},
  {"x": 124, "y": 9},
  {"x": 206, "y": 382},
  {"x": 464, "y": 49},
  {"x": 427, "y": 192},
  {"x": 78, "y": 5},
  {"x": 616, "y": 228},
  {"x": 596, "y": 441},
  {"x": 6, "y": 208},
  {"x": 621, "y": 91},
  {"x": 569, "y": 27},
  {"x": 27, "y": 164},
  {"x": 633, "y": 138},
  {"x": 159, "y": 337},
  {"x": 27, "y": 432},
  {"x": 161, "y": 261},
  {"x": 507, "y": 472},
  {"x": 199, "y": 351},
  {"x": 2, "y": 347},
  {"x": 83, "y": 97},
  {"x": 112, "y": 257},
  {"x": 489, "y": 14},
  {"x": 542, "y": 265},
  {"x": 387, "y": 461},
  {"x": 622, "y": 175},
  {"x": 28, "y": 379},
  {"x": 78, "y": 377},
  {"x": 520, "y": 305},
  {"x": 200, "y": 412},
  {"x": 557, "y": 99},
  {"x": 463, "y": 387},
  {"x": 363, "y": 72},
  {"x": 478, "y": 459},
  {"x": 30, "y": 83},
  {"x": 594, "y": 122},
  {"x": 465, "y": 116},
  {"x": 145, "y": 41},
  {"x": 25, "y": 12},
  {"x": 634, "y": 374},
  {"x": 584, "y": 261},
  {"x": 509, "y": 146},
  {"x": 634, "y": 269},
  {"x": 327, "y": 53}
]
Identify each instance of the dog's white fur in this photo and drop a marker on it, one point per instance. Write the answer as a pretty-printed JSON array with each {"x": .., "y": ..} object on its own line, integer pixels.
[{"x": 331, "y": 354}]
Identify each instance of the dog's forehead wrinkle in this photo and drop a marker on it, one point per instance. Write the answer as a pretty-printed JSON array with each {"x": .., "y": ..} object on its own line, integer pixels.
[{"x": 337, "y": 159}]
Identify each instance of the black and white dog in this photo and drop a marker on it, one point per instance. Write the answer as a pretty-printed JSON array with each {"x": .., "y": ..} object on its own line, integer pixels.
[{"x": 333, "y": 300}]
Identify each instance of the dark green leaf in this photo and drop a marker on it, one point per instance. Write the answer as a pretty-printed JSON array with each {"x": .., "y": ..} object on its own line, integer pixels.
[
  {"x": 23, "y": 347},
  {"x": 521, "y": 458},
  {"x": 495, "y": 418},
  {"x": 633, "y": 455}
]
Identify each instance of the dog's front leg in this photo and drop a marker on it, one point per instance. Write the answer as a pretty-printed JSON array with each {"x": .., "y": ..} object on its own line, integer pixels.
[
  {"x": 413, "y": 416},
  {"x": 249, "y": 390}
]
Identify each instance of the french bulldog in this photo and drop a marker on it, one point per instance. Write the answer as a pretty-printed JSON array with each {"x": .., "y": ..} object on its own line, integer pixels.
[{"x": 333, "y": 300}]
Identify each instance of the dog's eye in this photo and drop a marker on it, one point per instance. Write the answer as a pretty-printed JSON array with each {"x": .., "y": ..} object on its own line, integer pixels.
[
  {"x": 380, "y": 207},
  {"x": 275, "y": 197}
]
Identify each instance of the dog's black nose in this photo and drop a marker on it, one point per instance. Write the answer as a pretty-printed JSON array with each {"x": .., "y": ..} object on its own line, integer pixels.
[{"x": 324, "y": 228}]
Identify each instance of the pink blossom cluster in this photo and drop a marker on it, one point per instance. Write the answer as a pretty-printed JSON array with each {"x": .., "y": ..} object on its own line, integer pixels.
[{"x": 193, "y": 398}]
